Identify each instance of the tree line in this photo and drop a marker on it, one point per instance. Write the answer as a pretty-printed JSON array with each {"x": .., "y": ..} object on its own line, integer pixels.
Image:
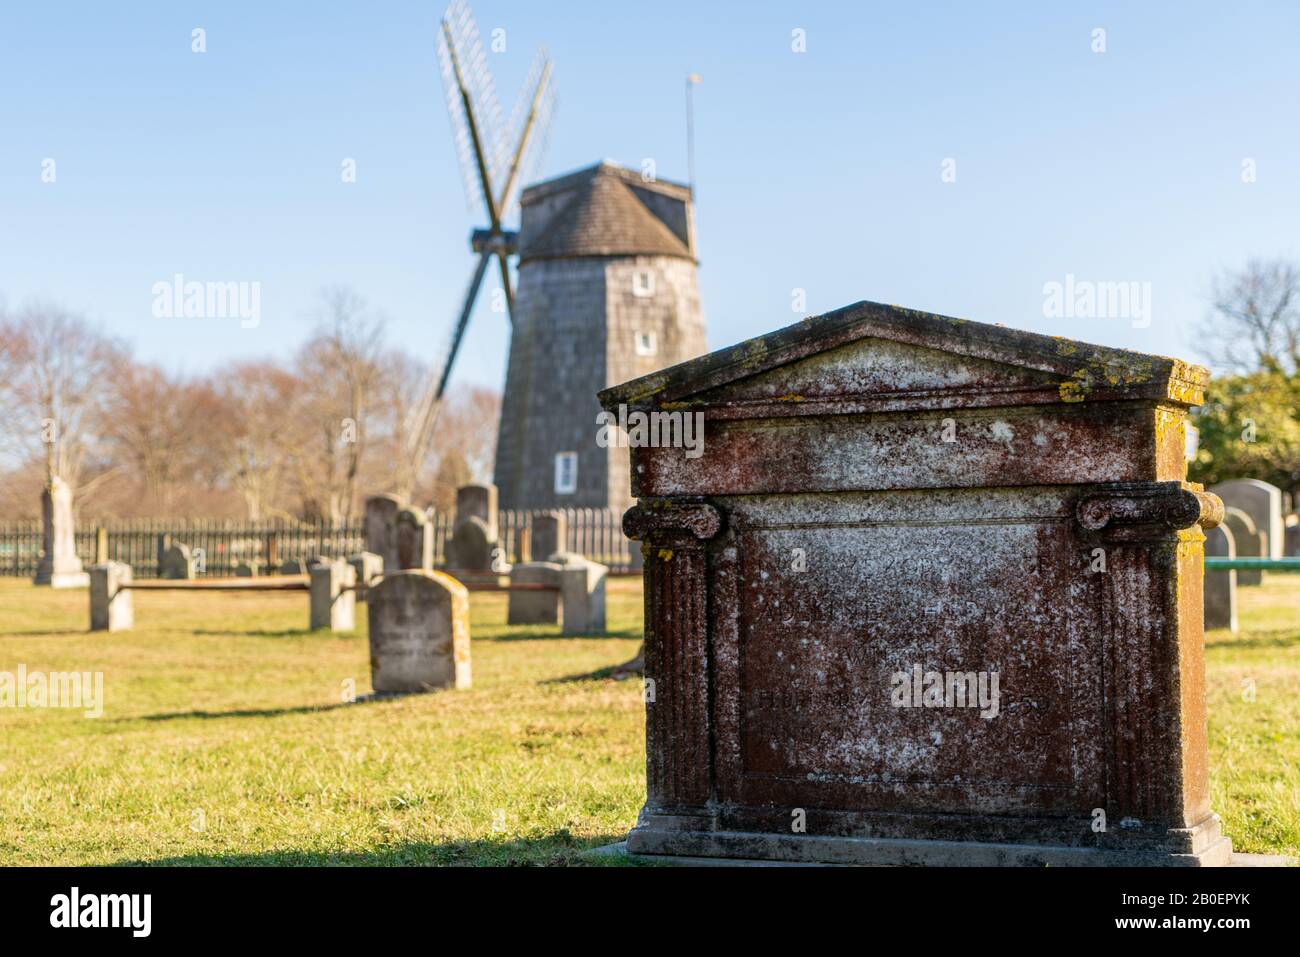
[
  {"x": 306, "y": 438},
  {"x": 1250, "y": 422}
]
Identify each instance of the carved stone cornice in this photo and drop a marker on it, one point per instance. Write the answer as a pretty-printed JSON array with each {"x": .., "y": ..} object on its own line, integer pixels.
[
  {"x": 671, "y": 518},
  {"x": 1143, "y": 510}
]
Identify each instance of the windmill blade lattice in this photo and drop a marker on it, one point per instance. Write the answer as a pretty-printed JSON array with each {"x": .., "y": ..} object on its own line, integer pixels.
[
  {"x": 468, "y": 51},
  {"x": 495, "y": 160}
]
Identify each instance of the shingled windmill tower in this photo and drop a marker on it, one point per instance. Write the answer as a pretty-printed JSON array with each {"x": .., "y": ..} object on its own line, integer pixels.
[{"x": 607, "y": 292}]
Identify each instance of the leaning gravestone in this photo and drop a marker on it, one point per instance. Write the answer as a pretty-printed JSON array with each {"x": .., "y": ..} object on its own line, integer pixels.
[
  {"x": 1263, "y": 503},
  {"x": 381, "y": 528},
  {"x": 59, "y": 566},
  {"x": 177, "y": 563},
  {"x": 549, "y": 534},
  {"x": 419, "y": 632},
  {"x": 929, "y": 593},
  {"x": 1248, "y": 542},
  {"x": 1220, "y": 583},
  {"x": 414, "y": 539}
]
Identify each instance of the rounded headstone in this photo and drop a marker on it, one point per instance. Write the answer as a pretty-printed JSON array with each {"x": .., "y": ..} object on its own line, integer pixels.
[
  {"x": 419, "y": 632},
  {"x": 472, "y": 545}
]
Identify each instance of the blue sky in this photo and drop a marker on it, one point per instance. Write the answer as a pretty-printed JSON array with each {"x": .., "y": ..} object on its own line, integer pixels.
[{"x": 818, "y": 170}]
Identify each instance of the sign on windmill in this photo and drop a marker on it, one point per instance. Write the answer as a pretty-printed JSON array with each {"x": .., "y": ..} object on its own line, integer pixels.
[{"x": 495, "y": 157}]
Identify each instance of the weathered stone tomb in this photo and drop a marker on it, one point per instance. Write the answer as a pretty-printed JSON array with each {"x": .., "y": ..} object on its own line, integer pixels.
[{"x": 931, "y": 594}]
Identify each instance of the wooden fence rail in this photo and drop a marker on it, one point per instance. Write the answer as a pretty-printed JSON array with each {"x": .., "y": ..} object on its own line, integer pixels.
[{"x": 220, "y": 547}]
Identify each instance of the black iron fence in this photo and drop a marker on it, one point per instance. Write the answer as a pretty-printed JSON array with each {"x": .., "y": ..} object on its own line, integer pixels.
[{"x": 221, "y": 546}]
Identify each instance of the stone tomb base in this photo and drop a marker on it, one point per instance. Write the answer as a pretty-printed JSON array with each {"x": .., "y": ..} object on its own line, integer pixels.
[
  {"x": 962, "y": 856},
  {"x": 1202, "y": 846}
]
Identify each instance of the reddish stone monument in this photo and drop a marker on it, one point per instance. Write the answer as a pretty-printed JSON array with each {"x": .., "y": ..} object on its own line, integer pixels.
[{"x": 930, "y": 594}]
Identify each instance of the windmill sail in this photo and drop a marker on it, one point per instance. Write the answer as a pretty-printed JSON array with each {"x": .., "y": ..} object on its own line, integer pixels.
[
  {"x": 463, "y": 63},
  {"x": 495, "y": 159}
]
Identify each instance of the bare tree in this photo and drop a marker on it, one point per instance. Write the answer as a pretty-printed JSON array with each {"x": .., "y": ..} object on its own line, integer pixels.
[
  {"x": 339, "y": 371},
  {"x": 255, "y": 432},
  {"x": 1256, "y": 320},
  {"x": 402, "y": 383},
  {"x": 60, "y": 369},
  {"x": 159, "y": 424},
  {"x": 464, "y": 444}
]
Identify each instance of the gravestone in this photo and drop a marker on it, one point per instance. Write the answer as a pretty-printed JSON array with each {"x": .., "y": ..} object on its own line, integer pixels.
[
  {"x": 419, "y": 632},
  {"x": 1248, "y": 542},
  {"x": 549, "y": 534},
  {"x": 367, "y": 565},
  {"x": 1220, "y": 584},
  {"x": 177, "y": 563},
  {"x": 582, "y": 597},
  {"x": 59, "y": 566},
  {"x": 473, "y": 546},
  {"x": 478, "y": 501},
  {"x": 526, "y": 607},
  {"x": 293, "y": 566},
  {"x": 929, "y": 593},
  {"x": 333, "y": 598},
  {"x": 1263, "y": 503},
  {"x": 249, "y": 569},
  {"x": 111, "y": 607},
  {"x": 414, "y": 539},
  {"x": 381, "y": 528}
]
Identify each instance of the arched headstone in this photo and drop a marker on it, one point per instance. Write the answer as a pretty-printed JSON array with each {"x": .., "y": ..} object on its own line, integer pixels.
[
  {"x": 1248, "y": 542},
  {"x": 177, "y": 562},
  {"x": 419, "y": 632},
  {"x": 381, "y": 528},
  {"x": 1263, "y": 503},
  {"x": 414, "y": 539},
  {"x": 549, "y": 534}
]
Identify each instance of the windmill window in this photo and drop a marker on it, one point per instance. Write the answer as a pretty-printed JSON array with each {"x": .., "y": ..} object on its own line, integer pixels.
[
  {"x": 647, "y": 344},
  {"x": 643, "y": 283},
  {"x": 566, "y": 473}
]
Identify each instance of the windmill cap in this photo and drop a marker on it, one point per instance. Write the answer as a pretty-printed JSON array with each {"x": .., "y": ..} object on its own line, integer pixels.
[{"x": 605, "y": 210}]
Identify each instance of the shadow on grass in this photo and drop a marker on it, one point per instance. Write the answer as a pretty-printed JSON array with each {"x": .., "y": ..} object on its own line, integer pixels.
[
  {"x": 367, "y": 699},
  {"x": 1280, "y": 638},
  {"x": 527, "y": 633},
  {"x": 560, "y": 849},
  {"x": 261, "y": 632},
  {"x": 613, "y": 672}
]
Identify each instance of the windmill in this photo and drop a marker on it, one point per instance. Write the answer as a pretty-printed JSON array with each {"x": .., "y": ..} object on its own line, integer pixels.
[{"x": 495, "y": 157}]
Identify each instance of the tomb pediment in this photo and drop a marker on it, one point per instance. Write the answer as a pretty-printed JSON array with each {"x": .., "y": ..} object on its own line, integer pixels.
[{"x": 873, "y": 357}]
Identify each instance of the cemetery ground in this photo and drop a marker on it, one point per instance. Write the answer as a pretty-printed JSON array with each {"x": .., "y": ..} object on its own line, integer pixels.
[{"x": 225, "y": 739}]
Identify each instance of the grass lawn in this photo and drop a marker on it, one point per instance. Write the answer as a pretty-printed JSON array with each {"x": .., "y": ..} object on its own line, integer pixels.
[{"x": 225, "y": 737}]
